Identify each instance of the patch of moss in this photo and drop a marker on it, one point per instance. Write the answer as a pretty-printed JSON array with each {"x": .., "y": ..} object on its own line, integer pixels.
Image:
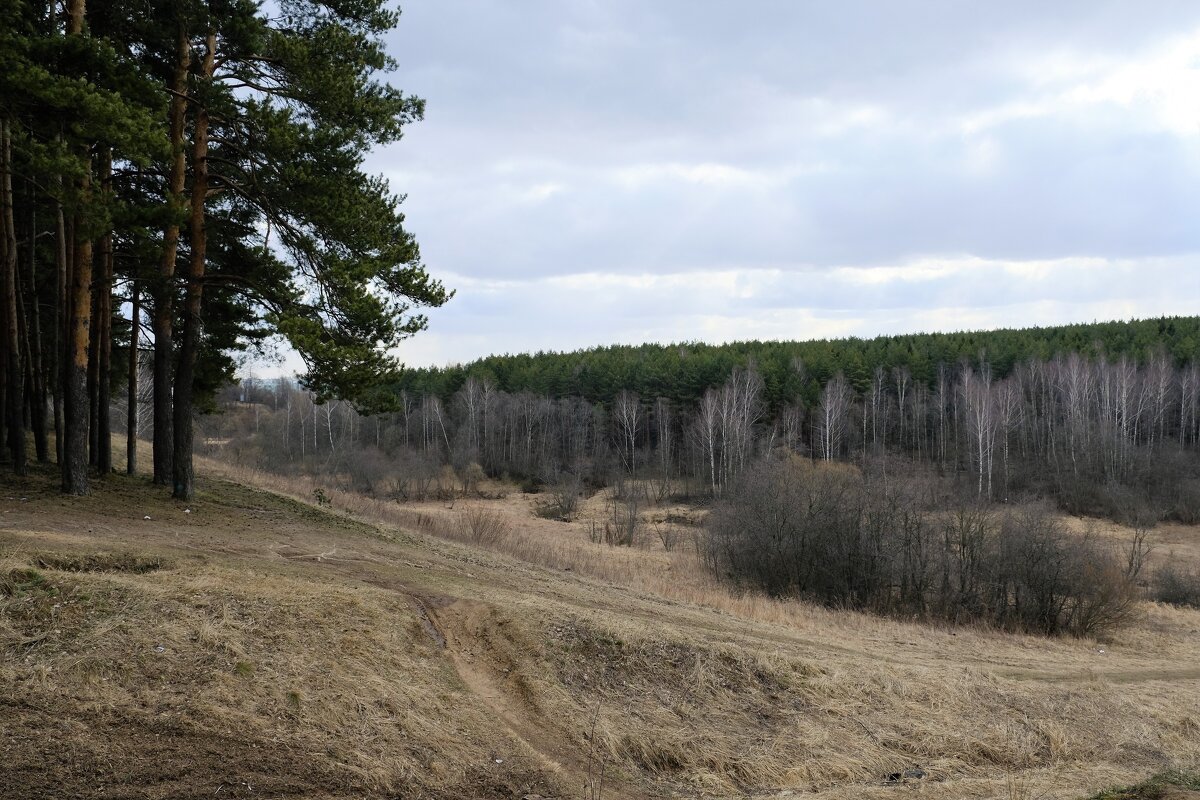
[
  {"x": 102, "y": 562},
  {"x": 1153, "y": 788},
  {"x": 22, "y": 581}
]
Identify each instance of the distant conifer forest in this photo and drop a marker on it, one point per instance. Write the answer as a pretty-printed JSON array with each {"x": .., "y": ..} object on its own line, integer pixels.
[{"x": 1102, "y": 418}]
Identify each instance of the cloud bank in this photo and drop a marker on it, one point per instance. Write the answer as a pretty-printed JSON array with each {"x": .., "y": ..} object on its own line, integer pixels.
[{"x": 592, "y": 173}]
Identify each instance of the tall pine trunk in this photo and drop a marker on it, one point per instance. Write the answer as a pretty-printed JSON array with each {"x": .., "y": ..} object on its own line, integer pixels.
[
  {"x": 76, "y": 406},
  {"x": 34, "y": 348},
  {"x": 103, "y": 292},
  {"x": 14, "y": 398},
  {"x": 131, "y": 420},
  {"x": 164, "y": 291},
  {"x": 79, "y": 322},
  {"x": 93, "y": 368},
  {"x": 62, "y": 266},
  {"x": 185, "y": 371}
]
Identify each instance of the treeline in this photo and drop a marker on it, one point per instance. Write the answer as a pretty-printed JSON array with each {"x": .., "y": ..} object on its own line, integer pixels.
[
  {"x": 683, "y": 372},
  {"x": 180, "y": 181},
  {"x": 1104, "y": 436}
]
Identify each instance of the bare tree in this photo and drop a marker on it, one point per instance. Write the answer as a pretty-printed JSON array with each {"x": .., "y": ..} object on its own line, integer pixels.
[
  {"x": 979, "y": 403},
  {"x": 627, "y": 419},
  {"x": 707, "y": 428},
  {"x": 832, "y": 417}
]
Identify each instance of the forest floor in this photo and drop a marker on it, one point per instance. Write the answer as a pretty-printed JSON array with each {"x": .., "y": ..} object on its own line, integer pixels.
[{"x": 252, "y": 644}]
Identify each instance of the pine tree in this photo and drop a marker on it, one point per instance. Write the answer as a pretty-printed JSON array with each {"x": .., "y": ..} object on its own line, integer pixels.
[{"x": 251, "y": 128}]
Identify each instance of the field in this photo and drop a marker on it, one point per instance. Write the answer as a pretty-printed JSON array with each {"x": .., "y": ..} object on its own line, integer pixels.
[{"x": 257, "y": 643}]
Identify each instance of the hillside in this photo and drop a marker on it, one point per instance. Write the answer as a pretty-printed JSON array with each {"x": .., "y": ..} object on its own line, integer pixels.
[{"x": 249, "y": 644}]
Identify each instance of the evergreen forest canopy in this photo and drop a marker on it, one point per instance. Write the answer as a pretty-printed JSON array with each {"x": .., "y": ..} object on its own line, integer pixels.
[
  {"x": 197, "y": 163},
  {"x": 794, "y": 370}
]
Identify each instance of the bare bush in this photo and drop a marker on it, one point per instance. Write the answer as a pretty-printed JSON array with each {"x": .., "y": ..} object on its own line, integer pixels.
[
  {"x": 668, "y": 535},
  {"x": 1048, "y": 580},
  {"x": 370, "y": 471},
  {"x": 483, "y": 525},
  {"x": 1176, "y": 586},
  {"x": 414, "y": 474},
  {"x": 563, "y": 501},
  {"x": 1185, "y": 505},
  {"x": 472, "y": 476},
  {"x": 624, "y": 522},
  {"x": 566, "y": 493},
  {"x": 825, "y": 533},
  {"x": 447, "y": 483}
]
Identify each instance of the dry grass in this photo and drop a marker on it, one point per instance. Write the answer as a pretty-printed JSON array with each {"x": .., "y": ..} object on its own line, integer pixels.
[
  {"x": 677, "y": 575},
  {"x": 315, "y": 639},
  {"x": 325, "y": 686}
]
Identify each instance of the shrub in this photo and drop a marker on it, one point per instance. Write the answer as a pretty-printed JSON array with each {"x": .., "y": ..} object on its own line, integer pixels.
[
  {"x": 1173, "y": 585},
  {"x": 483, "y": 526},
  {"x": 563, "y": 502},
  {"x": 472, "y": 476},
  {"x": 414, "y": 474},
  {"x": 369, "y": 471},
  {"x": 669, "y": 535},
  {"x": 827, "y": 534},
  {"x": 447, "y": 483},
  {"x": 1048, "y": 580},
  {"x": 624, "y": 524}
]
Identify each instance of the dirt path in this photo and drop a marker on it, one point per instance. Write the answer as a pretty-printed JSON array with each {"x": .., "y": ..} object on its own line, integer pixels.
[
  {"x": 471, "y": 635},
  {"x": 488, "y": 671}
]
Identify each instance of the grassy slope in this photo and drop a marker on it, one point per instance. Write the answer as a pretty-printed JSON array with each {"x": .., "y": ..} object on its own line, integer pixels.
[{"x": 281, "y": 650}]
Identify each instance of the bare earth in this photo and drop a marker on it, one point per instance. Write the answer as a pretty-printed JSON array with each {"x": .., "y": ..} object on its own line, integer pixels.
[{"x": 251, "y": 645}]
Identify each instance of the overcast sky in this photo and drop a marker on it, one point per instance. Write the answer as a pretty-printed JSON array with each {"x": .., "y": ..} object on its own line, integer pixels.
[{"x": 620, "y": 171}]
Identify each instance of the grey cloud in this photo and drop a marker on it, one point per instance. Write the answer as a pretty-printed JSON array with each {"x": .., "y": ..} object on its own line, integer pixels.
[{"x": 785, "y": 139}]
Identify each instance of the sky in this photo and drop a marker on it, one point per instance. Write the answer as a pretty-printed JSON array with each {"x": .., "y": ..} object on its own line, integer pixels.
[{"x": 594, "y": 172}]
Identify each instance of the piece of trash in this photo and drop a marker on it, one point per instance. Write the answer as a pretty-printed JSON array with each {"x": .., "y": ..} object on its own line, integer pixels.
[
  {"x": 146, "y": 517},
  {"x": 158, "y": 648},
  {"x": 187, "y": 511},
  {"x": 499, "y": 760},
  {"x": 916, "y": 773}
]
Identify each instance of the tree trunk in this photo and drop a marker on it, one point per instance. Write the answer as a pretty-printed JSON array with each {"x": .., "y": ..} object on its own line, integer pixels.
[
  {"x": 76, "y": 406},
  {"x": 79, "y": 316},
  {"x": 164, "y": 291},
  {"x": 103, "y": 292},
  {"x": 76, "y": 10},
  {"x": 181, "y": 460},
  {"x": 131, "y": 420},
  {"x": 37, "y": 362},
  {"x": 14, "y": 399},
  {"x": 61, "y": 313},
  {"x": 93, "y": 367}
]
